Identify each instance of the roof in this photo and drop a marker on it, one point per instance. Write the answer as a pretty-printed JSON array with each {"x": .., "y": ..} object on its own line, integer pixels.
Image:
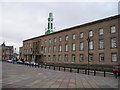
[{"x": 86, "y": 24}]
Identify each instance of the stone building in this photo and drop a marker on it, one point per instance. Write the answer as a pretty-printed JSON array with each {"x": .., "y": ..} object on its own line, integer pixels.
[
  {"x": 6, "y": 52},
  {"x": 94, "y": 42}
]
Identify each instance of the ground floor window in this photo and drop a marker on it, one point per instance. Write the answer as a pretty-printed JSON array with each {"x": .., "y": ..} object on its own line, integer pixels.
[
  {"x": 73, "y": 57},
  {"x": 101, "y": 57},
  {"x": 60, "y": 58},
  {"x": 90, "y": 57},
  {"x": 81, "y": 57},
  {"x": 54, "y": 57},
  {"x": 114, "y": 57},
  {"x": 48, "y": 57},
  {"x": 66, "y": 57}
]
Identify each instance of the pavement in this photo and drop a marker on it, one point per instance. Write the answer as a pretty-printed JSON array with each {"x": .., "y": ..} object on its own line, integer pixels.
[{"x": 21, "y": 76}]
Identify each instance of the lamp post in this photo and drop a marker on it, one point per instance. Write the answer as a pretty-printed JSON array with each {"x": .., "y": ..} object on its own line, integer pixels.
[{"x": 88, "y": 39}]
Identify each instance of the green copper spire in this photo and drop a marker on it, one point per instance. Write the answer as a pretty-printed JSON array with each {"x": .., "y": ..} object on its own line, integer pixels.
[{"x": 50, "y": 28}]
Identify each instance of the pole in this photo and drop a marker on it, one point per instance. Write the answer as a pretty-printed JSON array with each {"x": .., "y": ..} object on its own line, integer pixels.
[{"x": 88, "y": 39}]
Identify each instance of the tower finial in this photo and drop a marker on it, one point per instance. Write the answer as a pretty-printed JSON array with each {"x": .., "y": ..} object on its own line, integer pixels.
[{"x": 50, "y": 28}]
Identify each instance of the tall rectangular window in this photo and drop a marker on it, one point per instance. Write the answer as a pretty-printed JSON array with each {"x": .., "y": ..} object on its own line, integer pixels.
[
  {"x": 81, "y": 57},
  {"x": 73, "y": 57},
  {"x": 49, "y": 40},
  {"x": 60, "y": 48},
  {"x": 73, "y": 47},
  {"x": 81, "y": 34},
  {"x": 101, "y": 31},
  {"x": 49, "y": 58},
  {"x": 55, "y": 40},
  {"x": 90, "y": 45},
  {"x": 54, "y": 57},
  {"x": 73, "y": 36},
  {"x": 81, "y": 46},
  {"x": 45, "y": 49},
  {"x": 66, "y": 47},
  {"x": 66, "y": 38},
  {"x": 90, "y": 33},
  {"x": 113, "y": 42},
  {"x": 101, "y": 44},
  {"x": 49, "y": 49},
  {"x": 101, "y": 57},
  {"x": 66, "y": 57},
  {"x": 60, "y": 58},
  {"x": 114, "y": 57},
  {"x": 60, "y": 39},
  {"x": 112, "y": 29},
  {"x": 90, "y": 57},
  {"x": 54, "y": 49}
]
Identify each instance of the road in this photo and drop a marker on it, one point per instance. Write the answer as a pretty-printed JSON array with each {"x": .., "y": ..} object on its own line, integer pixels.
[{"x": 21, "y": 76}]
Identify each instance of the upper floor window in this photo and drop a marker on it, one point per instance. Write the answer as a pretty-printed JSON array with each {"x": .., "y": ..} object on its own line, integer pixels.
[
  {"x": 112, "y": 29},
  {"x": 54, "y": 49},
  {"x": 90, "y": 33},
  {"x": 60, "y": 58},
  {"x": 73, "y": 36},
  {"x": 113, "y": 42},
  {"x": 81, "y": 45},
  {"x": 73, "y": 47},
  {"x": 49, "y": 49},
  {"x": 114, "y": 57},
  {"x": 81, "y": 35},
  {"x": 49, "y": 40},
  {"x": 66, "y": 38},
  {"x": 101, "y": 44},
  {"x": 101, "y": 31},
  {"x": 90, "y": 45},
  {"x": 60, "y": 48},
  {"x": 66, "y": 47},
  {"x": 55, "y": 40},
  {"x": 45, "y": 49},
  {"x": 60, "y": 39}
]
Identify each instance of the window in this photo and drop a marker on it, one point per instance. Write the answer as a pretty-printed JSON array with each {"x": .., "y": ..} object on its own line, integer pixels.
[
  {"x": 60, "y": 39},
  {"x": 91, "y": 33},
  {"x": 54, "y": 39},
  {"x": 73, "y": 36},
  {"x": 60, "y": 58},
  {"x": 112, "y": 29},
  {"x": 49, "y": 58},
  {"x": 73, "y": 47},
  {"x": 81, "y": 57},
  {"x": 81, "y": 35},
  {"x": 45, "y": 49},
  {"x": 54, "y": 49},
  {"x": 49, "y": 50},
  {"x": 54, "y": 57},
  {"x": 101, "y": 31},
  {"x": 66, "y": 57},
  {"x": 73, "y": 57},
  {"x": 113, "y": 42},
  {"x": 101, "y": 44},
  {"x": 90, "y": 57},
  {"x": 81, "y": 45},
  {"x": 49, "y": 40},
  {"x": 101, "y": 57},
  {"x": 114, "y": 57},
  {"x": 91, "y": 45},
  {"x": 66, "y": 47},
  {"x": 60, "y": 48},
  {"x": 66, "y": 38}
]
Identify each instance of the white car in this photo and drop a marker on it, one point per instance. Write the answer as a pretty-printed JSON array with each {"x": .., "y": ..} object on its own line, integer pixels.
[{"x": 10, "y": 61}]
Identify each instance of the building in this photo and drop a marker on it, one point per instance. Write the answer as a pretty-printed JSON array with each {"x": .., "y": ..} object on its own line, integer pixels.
[
  {"x": 21, "y": 57},
  {"x": 94, "y": 42},
  {"x": 6, "y": 52}
]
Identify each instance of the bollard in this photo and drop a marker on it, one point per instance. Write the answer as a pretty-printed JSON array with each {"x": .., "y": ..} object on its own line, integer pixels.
[
  {"x": 85, "y": 71},
  {"x": 49, "y": 67},
  {"x": 41, "y": 66},
  {"x": 94, "y": 72},
  {"x": 59, "y": 68},
  {"x": 78, "y": 70},
  {"x": 88, "y": 71},
  {"x": 104, "y": 73},
  {"x": 45, "y": 66},
  {"x": 54, "y": 67},
  {"x": 70, "y": 69}
]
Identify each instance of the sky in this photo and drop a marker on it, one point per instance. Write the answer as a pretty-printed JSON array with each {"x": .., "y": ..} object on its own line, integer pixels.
[{"x": 23, "y": 20}]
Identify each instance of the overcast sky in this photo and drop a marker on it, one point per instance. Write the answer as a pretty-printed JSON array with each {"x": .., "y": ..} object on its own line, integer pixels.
[{"x": 24, "y": 20}]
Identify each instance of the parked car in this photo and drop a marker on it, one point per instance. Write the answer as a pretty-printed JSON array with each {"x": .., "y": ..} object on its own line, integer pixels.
[
  {"x": 116, "y": 71},
  {"x": 27, "y": 63},
  {"x": 34, "y": 64},
  {"x": 20, "y": 62},
  {"x": 10, "y": 61}
]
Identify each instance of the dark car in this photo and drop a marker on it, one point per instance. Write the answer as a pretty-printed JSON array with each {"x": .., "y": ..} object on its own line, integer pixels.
[
  {"x": 20, "y": 62},
  {"x": 116, "y": 71}
]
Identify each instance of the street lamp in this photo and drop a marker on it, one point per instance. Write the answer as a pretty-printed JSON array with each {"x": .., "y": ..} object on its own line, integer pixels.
[{"x": 88, "y": 39}]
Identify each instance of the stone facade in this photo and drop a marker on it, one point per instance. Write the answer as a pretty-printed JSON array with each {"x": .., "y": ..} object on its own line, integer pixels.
[{"x": 71, "y": 45}]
